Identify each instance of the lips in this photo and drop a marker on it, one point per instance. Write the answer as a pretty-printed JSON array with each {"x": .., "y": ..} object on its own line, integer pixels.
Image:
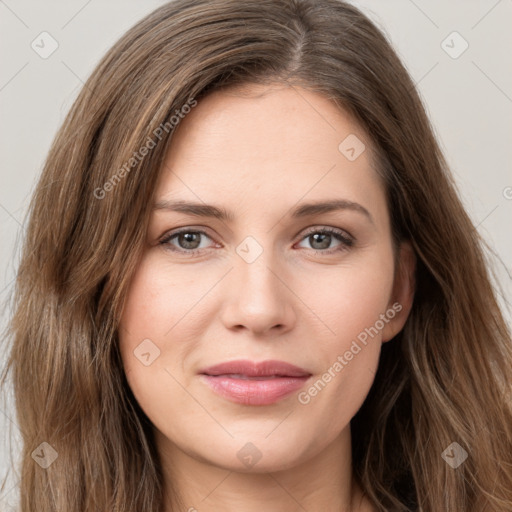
[
  {"x": 249, "y": 369},
  {"x": 250, "y": 383}
]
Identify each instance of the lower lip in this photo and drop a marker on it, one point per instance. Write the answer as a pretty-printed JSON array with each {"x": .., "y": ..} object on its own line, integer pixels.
[{"x": 254, "y": 392}]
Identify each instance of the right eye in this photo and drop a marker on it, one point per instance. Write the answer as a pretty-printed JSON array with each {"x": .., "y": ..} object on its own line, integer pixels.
[{"x": 185, "y": 240}]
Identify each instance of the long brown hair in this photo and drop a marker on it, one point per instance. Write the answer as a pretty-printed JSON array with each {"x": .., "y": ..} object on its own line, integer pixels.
[{"x": 443, "y": 379}]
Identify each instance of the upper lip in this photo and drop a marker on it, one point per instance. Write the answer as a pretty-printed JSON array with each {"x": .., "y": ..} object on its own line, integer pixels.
[{"x": 256, "y": 369}]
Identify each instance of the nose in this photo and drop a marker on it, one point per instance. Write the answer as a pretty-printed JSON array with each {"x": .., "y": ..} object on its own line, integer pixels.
[{"x": 258, "y": 298}]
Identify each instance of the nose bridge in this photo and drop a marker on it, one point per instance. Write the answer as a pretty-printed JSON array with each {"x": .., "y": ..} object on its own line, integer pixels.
[
  {"x": 255, "y": 268},
  {"x": 258, "y": 277}
]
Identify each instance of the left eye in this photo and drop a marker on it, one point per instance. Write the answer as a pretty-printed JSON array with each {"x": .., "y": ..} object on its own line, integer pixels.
[{"x": 321, "y": 239}]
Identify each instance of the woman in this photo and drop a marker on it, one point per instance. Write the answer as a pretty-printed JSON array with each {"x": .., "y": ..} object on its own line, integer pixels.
[{"x": 248, "y": 282}]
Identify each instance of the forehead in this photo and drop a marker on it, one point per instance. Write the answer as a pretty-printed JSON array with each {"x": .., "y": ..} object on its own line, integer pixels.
[{"x": 264, "y": 145}]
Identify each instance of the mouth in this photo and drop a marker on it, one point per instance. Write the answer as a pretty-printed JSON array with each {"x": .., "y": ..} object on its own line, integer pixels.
[
  {"x": 249, "y": 383},
  {"x": 241, "y": 376}
]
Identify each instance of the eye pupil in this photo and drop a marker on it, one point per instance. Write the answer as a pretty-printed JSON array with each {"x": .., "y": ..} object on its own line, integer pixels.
[
  {"x": 188, "y": 239},
  {"x": 323, "y": 238}
]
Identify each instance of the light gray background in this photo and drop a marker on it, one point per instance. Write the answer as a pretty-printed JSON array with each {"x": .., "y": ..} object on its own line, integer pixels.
[{"x": 469, "y": 100}]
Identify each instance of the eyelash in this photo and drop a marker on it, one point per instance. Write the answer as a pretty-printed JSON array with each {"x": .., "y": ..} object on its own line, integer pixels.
[{"x": 346, "y": 240}]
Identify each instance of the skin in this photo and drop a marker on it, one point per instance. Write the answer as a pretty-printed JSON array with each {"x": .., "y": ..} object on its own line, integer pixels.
[{"x": 259, "y": 152}]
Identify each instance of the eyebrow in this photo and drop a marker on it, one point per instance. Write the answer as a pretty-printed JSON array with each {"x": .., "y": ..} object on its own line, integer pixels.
[{"x": 304, "y": 210}]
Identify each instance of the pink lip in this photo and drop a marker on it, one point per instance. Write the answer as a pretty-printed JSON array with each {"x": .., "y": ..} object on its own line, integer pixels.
[{"x": 251, "y": 383}]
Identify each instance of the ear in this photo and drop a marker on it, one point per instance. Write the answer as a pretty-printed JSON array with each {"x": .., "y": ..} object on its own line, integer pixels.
[{"x": 402, "y": 295}]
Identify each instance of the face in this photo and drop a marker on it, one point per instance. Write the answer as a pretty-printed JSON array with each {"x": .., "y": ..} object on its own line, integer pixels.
[{"x": 274, "y": 278}]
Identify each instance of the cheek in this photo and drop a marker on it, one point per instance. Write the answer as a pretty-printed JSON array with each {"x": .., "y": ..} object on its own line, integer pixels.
[
  {"x": 349, "y": 298},
  {"x": 160, "y": 301},
  {"x": 145, "y": 319},
  {"x": 162, "y": 324},
  {"x": 350, "y": 303},
  {"x": 154, "y": 306}
]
